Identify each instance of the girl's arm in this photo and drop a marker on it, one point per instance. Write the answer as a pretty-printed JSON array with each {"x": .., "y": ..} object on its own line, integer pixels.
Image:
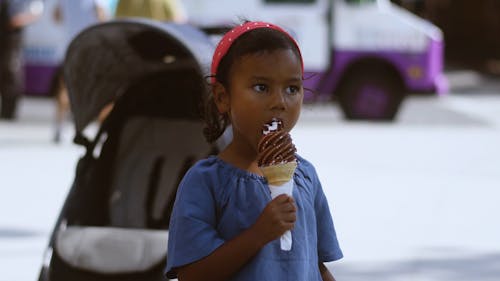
[
  {"x": 275, "y": 219},
  {"x": 326, "y": 275}
]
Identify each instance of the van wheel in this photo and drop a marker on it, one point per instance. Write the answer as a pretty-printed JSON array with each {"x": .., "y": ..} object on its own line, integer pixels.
[{"x": 371, "y": 92}]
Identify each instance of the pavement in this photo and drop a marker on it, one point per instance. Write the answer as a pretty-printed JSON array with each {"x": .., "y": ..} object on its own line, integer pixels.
[{"x": 415, "y": 199}]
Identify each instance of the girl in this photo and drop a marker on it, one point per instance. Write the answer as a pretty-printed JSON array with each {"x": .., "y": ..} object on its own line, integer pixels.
[{"x": 224, "y": 225}]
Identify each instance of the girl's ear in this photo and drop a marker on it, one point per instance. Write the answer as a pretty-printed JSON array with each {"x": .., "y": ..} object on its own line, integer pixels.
[{"x": 221, "y": 97}]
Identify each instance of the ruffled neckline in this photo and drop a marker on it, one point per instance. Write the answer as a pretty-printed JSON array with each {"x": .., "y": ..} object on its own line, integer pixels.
[{"x": 235, "y": 170}]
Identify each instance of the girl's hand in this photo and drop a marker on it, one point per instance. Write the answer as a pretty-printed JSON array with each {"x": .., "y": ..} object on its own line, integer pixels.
[{"x": 276, "y": 218}]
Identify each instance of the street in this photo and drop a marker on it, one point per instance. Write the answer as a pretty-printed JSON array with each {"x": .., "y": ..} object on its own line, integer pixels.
[{"x": 416, "y": 199}]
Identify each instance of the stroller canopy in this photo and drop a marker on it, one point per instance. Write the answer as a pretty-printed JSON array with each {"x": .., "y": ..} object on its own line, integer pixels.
[{"x": 103, "y": 61}]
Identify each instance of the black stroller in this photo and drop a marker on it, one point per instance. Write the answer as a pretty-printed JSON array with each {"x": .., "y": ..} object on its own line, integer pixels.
[{"x": 114, "y": 223}]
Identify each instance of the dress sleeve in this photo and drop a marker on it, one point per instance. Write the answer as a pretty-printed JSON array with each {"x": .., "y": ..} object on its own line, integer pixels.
[
  {"x": 328, "y": 245},
  {"x": 192, "y": 230}
]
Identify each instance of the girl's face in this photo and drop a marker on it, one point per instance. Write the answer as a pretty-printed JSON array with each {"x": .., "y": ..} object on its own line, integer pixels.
[{"x": 263, "y": 86}]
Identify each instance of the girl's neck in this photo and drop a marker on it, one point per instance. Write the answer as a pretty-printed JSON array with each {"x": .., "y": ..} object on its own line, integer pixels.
[{"x": 241, "y": 156}]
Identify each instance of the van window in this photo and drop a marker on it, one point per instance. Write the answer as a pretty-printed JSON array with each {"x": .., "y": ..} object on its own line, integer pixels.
[{"x": 290, "y": 1}]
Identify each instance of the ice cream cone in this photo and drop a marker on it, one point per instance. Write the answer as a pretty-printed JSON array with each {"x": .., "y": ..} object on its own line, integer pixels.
[
  {"x": 280, "y": 173},
  {"x": 280, "y": 180}
]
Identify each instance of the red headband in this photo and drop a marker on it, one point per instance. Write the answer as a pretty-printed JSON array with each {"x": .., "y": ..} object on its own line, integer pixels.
[{"x": 228, "y": 39}]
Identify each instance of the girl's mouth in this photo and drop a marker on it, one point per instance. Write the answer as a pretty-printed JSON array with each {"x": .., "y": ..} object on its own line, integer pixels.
[{"x": 275, "y": 124}]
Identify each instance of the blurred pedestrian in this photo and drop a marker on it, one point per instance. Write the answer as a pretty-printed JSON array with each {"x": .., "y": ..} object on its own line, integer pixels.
[
  {"x": 77, "y": 15},
  {"x": 15, "y": 15},
  {"x": 74, "y": 16},
  {"x": 161, "y": 10}
]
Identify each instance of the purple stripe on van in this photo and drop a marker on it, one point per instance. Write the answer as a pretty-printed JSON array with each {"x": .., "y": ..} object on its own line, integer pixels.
[
  {"x": 420, "y": 72},
  {"x": 38, "y": 79},
  {"x": 436, "y": 68}
]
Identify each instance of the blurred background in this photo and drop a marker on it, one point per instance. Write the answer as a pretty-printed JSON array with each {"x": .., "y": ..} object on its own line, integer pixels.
[
  {"x": 413, "y": 197},
  {"x": 470, "y": 30}
]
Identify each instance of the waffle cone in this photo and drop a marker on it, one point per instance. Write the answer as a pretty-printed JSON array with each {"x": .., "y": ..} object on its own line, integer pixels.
[{"x": 280, "y": 173}]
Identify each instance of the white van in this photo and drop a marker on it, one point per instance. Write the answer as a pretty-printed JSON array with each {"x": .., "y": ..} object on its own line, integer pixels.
[{"x": 367, "y": 54}]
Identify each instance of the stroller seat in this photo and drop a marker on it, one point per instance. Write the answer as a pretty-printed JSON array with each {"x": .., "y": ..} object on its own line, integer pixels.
[
  {"x": 152, "y": 155},
  {"x": 111, "y": 250},
  {"x": 114, "y": 222}
]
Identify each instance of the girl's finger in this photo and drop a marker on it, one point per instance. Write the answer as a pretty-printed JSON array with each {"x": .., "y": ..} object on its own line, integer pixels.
[
  {"x": 289, "y": 225},
  {"x": 289, "y": 218},
  {"x": 289, "y": 207}
]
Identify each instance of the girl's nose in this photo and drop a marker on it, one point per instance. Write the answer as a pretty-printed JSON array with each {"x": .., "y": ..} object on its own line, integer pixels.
[{"x": 278, "y": 101}]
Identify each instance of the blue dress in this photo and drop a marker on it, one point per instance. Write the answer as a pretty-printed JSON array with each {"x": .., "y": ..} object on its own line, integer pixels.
[{"x": 216, "y": 201}]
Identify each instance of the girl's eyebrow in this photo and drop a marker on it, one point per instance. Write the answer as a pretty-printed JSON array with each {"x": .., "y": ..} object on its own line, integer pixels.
[
  {"x": 263, "y": 78},
  {"x": 295, "y": 79},
  {"x": 254, "y": 77}
]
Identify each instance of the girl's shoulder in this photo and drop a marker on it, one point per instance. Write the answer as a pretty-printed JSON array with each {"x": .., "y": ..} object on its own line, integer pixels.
[
  {"x": 305, "y": 168},
  {"x": 304, "y": 163},
  {"x": 219, "y": 178},
  {"x": 216, "y": 172},
  {"x": 213, "y": 166}
]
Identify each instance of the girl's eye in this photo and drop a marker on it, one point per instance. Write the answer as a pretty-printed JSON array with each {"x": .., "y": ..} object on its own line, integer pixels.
[
  {"x": 261, "y": 88},
  {"x": 292, "y": 90}
]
